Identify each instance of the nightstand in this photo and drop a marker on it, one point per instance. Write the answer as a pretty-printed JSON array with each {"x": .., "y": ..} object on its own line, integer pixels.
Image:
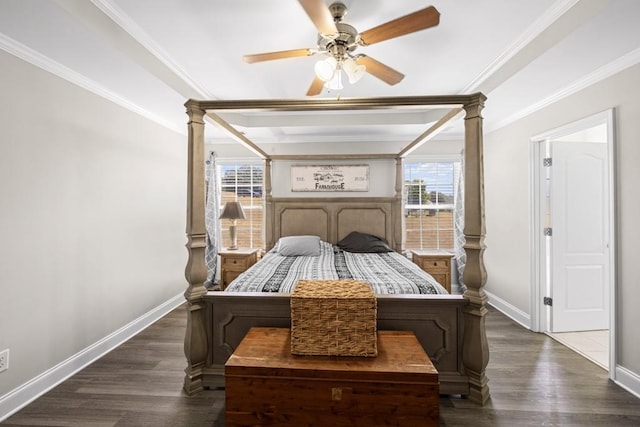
[
  {"x": 436, "y": 263},
  {"x": 234, "y": 262}
]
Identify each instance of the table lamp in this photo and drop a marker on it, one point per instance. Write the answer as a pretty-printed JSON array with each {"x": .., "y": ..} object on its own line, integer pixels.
[{"x": 232, "y": 211}]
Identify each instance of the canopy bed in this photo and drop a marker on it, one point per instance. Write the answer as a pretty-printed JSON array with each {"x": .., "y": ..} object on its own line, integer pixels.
[{"x": 451, "y": 328}]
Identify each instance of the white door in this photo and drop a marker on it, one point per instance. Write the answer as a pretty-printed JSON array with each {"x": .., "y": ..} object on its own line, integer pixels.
[{"x": 579, "y": 242}]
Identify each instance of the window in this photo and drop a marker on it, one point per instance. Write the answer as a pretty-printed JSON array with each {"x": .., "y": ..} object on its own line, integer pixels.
[
  {"x": 242, "y": 181},
  {"x": 430, "y": 187}
]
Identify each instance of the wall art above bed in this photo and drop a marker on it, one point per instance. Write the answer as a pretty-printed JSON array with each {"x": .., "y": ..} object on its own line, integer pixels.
[{"x": 330, "y": 178}]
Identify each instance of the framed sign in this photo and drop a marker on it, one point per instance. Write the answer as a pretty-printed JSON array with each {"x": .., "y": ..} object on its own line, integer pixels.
[{"x": 330, "y": 178}]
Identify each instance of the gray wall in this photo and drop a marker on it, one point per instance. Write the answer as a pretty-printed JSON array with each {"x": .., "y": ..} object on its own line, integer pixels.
[
  {"x": 381, "y": 178},
  {"x": 508, "y": 200},
  {"x": 92, "y": 222}
]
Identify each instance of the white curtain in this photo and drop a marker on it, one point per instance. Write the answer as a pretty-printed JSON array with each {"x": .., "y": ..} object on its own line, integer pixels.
[
  {"x": 212, "y": 223},
  {"x": 458, "y": 225}
]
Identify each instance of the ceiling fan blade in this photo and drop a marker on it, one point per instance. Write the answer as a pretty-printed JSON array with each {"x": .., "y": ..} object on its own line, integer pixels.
[
  {"x": 316, "y": 87},
  {"x": 416, "y": 21},
  {"x": 268, "y": 56},
  {"x": 380, "y": 70},
  {"x": 320, "y": 16}
]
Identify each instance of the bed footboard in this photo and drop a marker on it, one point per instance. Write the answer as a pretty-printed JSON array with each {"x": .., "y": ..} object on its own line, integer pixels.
[{"x": 437, "y": 321}]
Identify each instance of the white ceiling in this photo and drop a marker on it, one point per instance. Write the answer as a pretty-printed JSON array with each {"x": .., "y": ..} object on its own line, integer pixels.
[{"x": 152, "y": 55}]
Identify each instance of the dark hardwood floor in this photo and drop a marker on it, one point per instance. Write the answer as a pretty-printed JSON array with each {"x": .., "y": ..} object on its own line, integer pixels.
[{"x": 534, "y": 381}]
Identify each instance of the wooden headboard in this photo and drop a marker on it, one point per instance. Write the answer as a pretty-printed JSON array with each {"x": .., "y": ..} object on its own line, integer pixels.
[{"x": 333, "y": 218}]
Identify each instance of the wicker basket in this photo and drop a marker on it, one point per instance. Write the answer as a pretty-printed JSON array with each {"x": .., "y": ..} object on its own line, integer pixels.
[{"x": 333, "y": 318}]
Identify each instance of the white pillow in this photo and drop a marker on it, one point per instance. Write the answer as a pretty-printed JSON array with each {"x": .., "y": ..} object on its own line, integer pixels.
[{"x": 299, "y": 246}]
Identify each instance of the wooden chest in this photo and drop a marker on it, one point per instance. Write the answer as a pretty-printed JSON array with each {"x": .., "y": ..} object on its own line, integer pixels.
[{"x": 267, "y": 385}]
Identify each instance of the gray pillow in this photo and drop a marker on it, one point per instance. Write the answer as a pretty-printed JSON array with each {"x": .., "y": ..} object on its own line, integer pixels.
[
  {"x": 299, "y": 246},
  {"x": 364, "y": 243}
]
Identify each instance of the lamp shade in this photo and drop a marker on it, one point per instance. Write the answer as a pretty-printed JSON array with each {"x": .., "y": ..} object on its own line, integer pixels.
[
  {"x": 336, "y": 82},
  {"x": 353, "y": 70},
  {"x": 232, "y": 210},
  {"x": 325, "y": 69}
]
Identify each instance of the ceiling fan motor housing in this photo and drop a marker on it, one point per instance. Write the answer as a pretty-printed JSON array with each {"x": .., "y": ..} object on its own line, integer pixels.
[{"x": 344, "y": 42}]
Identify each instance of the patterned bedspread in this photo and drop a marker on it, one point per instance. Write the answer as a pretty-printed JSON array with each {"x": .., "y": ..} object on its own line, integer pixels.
[{"x": 387, "y": 273}]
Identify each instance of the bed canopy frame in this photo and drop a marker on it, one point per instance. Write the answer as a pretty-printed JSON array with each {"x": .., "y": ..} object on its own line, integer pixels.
[{"x": 474, "y": 348}]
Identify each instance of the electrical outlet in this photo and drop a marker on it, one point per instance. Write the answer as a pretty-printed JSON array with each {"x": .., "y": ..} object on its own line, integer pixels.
[{"x": 4, "y": 360}]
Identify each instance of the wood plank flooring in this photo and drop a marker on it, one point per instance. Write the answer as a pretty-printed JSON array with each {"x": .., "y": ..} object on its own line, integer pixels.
[{"x": 534, "y": 381}]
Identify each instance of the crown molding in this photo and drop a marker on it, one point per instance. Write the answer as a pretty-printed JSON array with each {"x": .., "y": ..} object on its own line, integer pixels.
[
  {"x": 630, "y": 59},
  {"x": 39, "y": 60},
  {"x": 530, "y": 34},
  {"x": 124, "y": 21}
]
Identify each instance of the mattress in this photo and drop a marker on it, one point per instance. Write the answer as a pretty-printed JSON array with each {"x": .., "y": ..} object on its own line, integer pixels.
[{"x": 387, "y": 273}]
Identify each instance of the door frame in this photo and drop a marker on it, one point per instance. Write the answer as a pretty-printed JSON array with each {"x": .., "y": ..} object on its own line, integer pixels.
[{"x": 540, "y": 314}]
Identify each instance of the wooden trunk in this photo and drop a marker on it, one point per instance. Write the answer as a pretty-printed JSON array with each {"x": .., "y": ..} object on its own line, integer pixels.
[{"x": 267, "y": 385}]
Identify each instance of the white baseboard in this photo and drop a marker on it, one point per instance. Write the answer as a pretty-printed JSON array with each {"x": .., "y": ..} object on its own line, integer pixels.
[
  {"x": 28, "y": 392},
  {"x": 628, "y": 380},
  {"x": 509, "y": 310}
]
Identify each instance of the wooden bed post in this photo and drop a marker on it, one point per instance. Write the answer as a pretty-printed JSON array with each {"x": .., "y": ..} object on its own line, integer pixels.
[
  {"x": 475, "y": 354},
  {"x": 195, "y": 340}
]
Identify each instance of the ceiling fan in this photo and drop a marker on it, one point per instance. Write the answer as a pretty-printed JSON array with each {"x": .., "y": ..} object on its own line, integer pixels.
[{"x": 338, "y": 42}]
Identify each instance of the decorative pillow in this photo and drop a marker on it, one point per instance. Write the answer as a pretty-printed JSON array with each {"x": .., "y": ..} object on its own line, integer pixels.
[
  {"x": 299, "y": 246},
  {"x": 362, "y": 242}
]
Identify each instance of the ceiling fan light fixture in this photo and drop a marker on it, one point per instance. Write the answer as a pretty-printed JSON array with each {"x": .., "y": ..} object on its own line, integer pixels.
[
  {"x": 353, "y": 70},
  {"x": 325, "y": 69}
]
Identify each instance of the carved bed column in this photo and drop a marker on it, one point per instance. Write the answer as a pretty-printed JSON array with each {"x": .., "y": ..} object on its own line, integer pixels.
[
  {"x": 398, "y": 208},
  {"x": 475, "y": 354},
  {"x": 268, "y": 206},
  {"x": 195, "y": 340}
]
